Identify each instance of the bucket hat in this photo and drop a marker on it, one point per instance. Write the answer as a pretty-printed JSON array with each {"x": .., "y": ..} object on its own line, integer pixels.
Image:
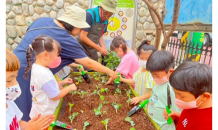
[
  {"x": 109, "y": 5},
  {"x": 75, "y": 16}
]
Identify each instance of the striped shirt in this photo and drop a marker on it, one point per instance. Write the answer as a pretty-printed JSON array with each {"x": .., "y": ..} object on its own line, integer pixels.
[{"x": 143, "y": 82}]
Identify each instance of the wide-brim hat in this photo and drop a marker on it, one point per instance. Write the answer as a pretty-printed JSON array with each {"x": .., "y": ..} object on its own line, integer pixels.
[
  {"x": 109, "y": 5},
  {"x": 75, "y": 16}
]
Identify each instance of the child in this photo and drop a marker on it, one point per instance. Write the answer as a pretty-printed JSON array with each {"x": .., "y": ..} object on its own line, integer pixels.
[
  {"x": 192, "y": 84},
  {"x": 45, "y": 91},
  {"x": 160, "y": 64},
  {"x": 13, "y": 113},
  {"x": 129, "y": 63},
  {"x": 142, "y": 78}
]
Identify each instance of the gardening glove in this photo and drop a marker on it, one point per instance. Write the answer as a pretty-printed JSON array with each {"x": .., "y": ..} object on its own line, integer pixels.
[{"x": 40, "y": 122}]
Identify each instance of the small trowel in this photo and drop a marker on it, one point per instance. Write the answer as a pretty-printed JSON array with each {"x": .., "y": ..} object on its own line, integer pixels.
[
  {"x": 85, "y": 75},
  {"x": 61, "y": 125},
  {"x": 136, "y": 108},
  {"x": 117, "y": 81}
]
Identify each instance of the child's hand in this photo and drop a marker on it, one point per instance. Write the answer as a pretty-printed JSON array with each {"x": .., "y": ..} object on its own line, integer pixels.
[
  {"x": 82, "y": 69},
  {"x": 67, "y": 81},
  {"x": 40, "y": 122},
  {"x": 135, "y": 100},
  {"x": 121, "y": 78},
  {"x": 173, "y": 114},
  {"x": 73, "y": 87}
]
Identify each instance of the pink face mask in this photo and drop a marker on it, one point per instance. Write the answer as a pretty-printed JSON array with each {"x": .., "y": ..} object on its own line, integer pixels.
[
  {"x": 56, "y": 63},
  {"x": 186, "y": 105},
  {"x": 161, "y": 81}
]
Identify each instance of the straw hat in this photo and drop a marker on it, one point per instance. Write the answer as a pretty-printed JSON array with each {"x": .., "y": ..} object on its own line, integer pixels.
[
  {"x": 75, "y": 16},
  {"x": 109, "y": 5}
]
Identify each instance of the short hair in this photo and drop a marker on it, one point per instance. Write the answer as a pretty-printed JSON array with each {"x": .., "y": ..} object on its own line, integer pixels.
[
  {"x": 160, "y": 61},
  {"x": 12, "y": 62},
  {"x": 192, "y": 77}
]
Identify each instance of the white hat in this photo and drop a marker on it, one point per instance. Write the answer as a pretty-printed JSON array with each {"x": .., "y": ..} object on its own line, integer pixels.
[
  {"x": 75, "y": 16},
  {"x": 109, "y": 5}
]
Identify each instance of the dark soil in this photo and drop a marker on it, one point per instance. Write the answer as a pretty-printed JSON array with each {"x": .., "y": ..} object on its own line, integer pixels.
[{"x": 89, "y": 102}]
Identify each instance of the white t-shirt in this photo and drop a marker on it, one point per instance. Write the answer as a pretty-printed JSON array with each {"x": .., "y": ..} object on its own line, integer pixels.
[
  {"x": 158, "y": 102},
  {"x": 43, "y": 87},
  {"x": 13, "y": 116}
]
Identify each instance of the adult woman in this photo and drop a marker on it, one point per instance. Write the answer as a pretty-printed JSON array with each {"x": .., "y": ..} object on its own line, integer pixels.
[{"x": 63, "y": 30}]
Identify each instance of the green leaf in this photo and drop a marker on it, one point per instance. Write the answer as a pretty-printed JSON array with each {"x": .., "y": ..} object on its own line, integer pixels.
[
  {"x": 103, "y": 79},
  {"x": 70, "y": 106},
  {"x": 83, "y": 93},
  {"x": 132, "y": 123},
  {"x": 105, "y": 122},
  {"x": 128, "y": 101},
  {"x": 132, "y": 128},
  {"x": 106, "y": 89},
  {"x": 102, "y": 90},
  {"x": 102, "y": 97},
  {"x": 96, "y": 78},
  {"x": 128, "y": 119},
  {"x": 85, "y": 125}
]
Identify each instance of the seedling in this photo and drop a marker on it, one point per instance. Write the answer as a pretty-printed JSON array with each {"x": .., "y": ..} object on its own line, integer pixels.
[
  {"x": 85, "y": 125},
  {"x": 118, "y": 91},
  {"x": 71, "y": 105},
  {"x": 128, "y": 93},
  {"x": 128, "y": 101},
  {"x": 128, "y": 119},
  {"x": 98, "y": 110},
  {"x": 102, "y": 97},
  {"x": 106, "y": 102},
  {"x": 96, "y": 78},
  {"x": 116, "y": 106},
  {"x": 97, "y": 86},
  {"x": 79, "y": 79},
  {"x": 103, "y": 80},
  {"x": 105, "y": 122},
  {"x": 83, "y": 93},
  {"x": 73, "y": 117},
  {"x": 104, "y": 90},
  {"x": 95, "y": 91},
  {"x": 111, "y": 60}
]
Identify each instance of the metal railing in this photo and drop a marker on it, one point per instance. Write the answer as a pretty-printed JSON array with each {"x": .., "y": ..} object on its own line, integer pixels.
[{"x": 190, "y": 51}]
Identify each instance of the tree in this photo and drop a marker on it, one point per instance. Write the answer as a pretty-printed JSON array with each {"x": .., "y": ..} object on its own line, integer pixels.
[{"x": 159, "y": 23}]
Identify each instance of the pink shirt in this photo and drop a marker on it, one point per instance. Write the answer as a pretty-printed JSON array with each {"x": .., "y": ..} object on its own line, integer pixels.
[{"x": 129, "y": 65}]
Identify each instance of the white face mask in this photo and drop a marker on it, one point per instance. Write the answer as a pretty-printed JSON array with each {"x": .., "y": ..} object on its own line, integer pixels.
[
  {"x": 13, "y": 92},
  {"x": 142, "y": 63}
]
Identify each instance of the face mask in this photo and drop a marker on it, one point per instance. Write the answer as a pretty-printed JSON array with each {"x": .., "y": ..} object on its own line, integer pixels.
[
  {"x": 56, "y": 63},
  {"x": 142, "y": 63},
  {"x": 13, "y": 92},
  {"x": 186, "y": 105},
  {"x": 161, "y": 81}
]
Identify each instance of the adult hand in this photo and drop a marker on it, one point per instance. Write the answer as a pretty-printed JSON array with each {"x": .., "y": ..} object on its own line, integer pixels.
[
  {"x": 113, "y": 76},
  {"x": 135, "y": 100},
  {"x": 40, "y": 122},
  {"x": 103, "y": 51}
]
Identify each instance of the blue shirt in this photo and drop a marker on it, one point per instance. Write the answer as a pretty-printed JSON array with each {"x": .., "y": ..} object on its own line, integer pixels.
[
  {"x": 90, "y": 19},
  {"x": 71, "y": 49}
]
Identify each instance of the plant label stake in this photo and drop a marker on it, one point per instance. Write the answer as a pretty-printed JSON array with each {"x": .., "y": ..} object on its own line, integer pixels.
[
  {"x": 169, "y": 103},
  {"x": 136, "y": 108},
  {"x": 117, "y": 81},
  {"x": 85, "y": 75},
  {"x": 61, "y": 125}
]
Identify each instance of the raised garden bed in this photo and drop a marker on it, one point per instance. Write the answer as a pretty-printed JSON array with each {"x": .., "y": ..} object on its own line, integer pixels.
[{"x": 86, "y": 107}]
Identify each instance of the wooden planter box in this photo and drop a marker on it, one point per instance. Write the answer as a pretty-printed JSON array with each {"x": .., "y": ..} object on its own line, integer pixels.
[{"x": 58, "y": 109}]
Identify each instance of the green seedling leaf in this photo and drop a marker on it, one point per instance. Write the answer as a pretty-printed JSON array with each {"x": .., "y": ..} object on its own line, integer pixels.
[
  {"x": 98, "y": 92},
  {"x": 71, "y": 119},
  {"x": 132, "y": 123},
  {"x": 128, "y": 119},
  {"x": 118, "y": 91},
  {"x": 97, "y": 87},
  {"x": 98, "y": 110},
  {"x": 85, "y": 125},
  {"x": 83, "y": 93},
  {"x": 74, "y": 92},
  {"x": 132, "y": 128},
  {"x": 128, "y": 93},
  {"x": 102, "y": 97},
  {"x": 79, "y": 93},
  {"x": 96, "y": 78},
  {"x": 128, "y": 101},
  {"x": 70, "y": 106},
  {"x": 116, "y": 106},
  {"x": 106, "y": 90},
  {"x": 95, "y": 91},
  {"x": 105, "y": 122},
  {"x": 106, "y": 102},
  {"x": 102, "y": 90},
  {"x": 103, "y": 79}
]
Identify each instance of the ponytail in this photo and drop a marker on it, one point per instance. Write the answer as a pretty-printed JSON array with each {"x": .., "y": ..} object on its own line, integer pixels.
[
  {"x": 29, "y": 61},
  {"x": 146, "y": 46}
]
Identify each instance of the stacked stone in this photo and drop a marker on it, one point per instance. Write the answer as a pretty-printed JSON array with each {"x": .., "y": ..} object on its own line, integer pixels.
[{"x": 21, "y": 13}]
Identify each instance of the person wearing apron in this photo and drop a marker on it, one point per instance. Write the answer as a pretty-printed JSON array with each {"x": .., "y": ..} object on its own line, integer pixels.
[
  {"x": 97, "y": 18},
  {"x": 64, "y": 29}
]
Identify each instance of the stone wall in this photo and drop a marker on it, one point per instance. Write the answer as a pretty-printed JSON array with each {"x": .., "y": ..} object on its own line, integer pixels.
[{"x": 21, "y": 13}]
